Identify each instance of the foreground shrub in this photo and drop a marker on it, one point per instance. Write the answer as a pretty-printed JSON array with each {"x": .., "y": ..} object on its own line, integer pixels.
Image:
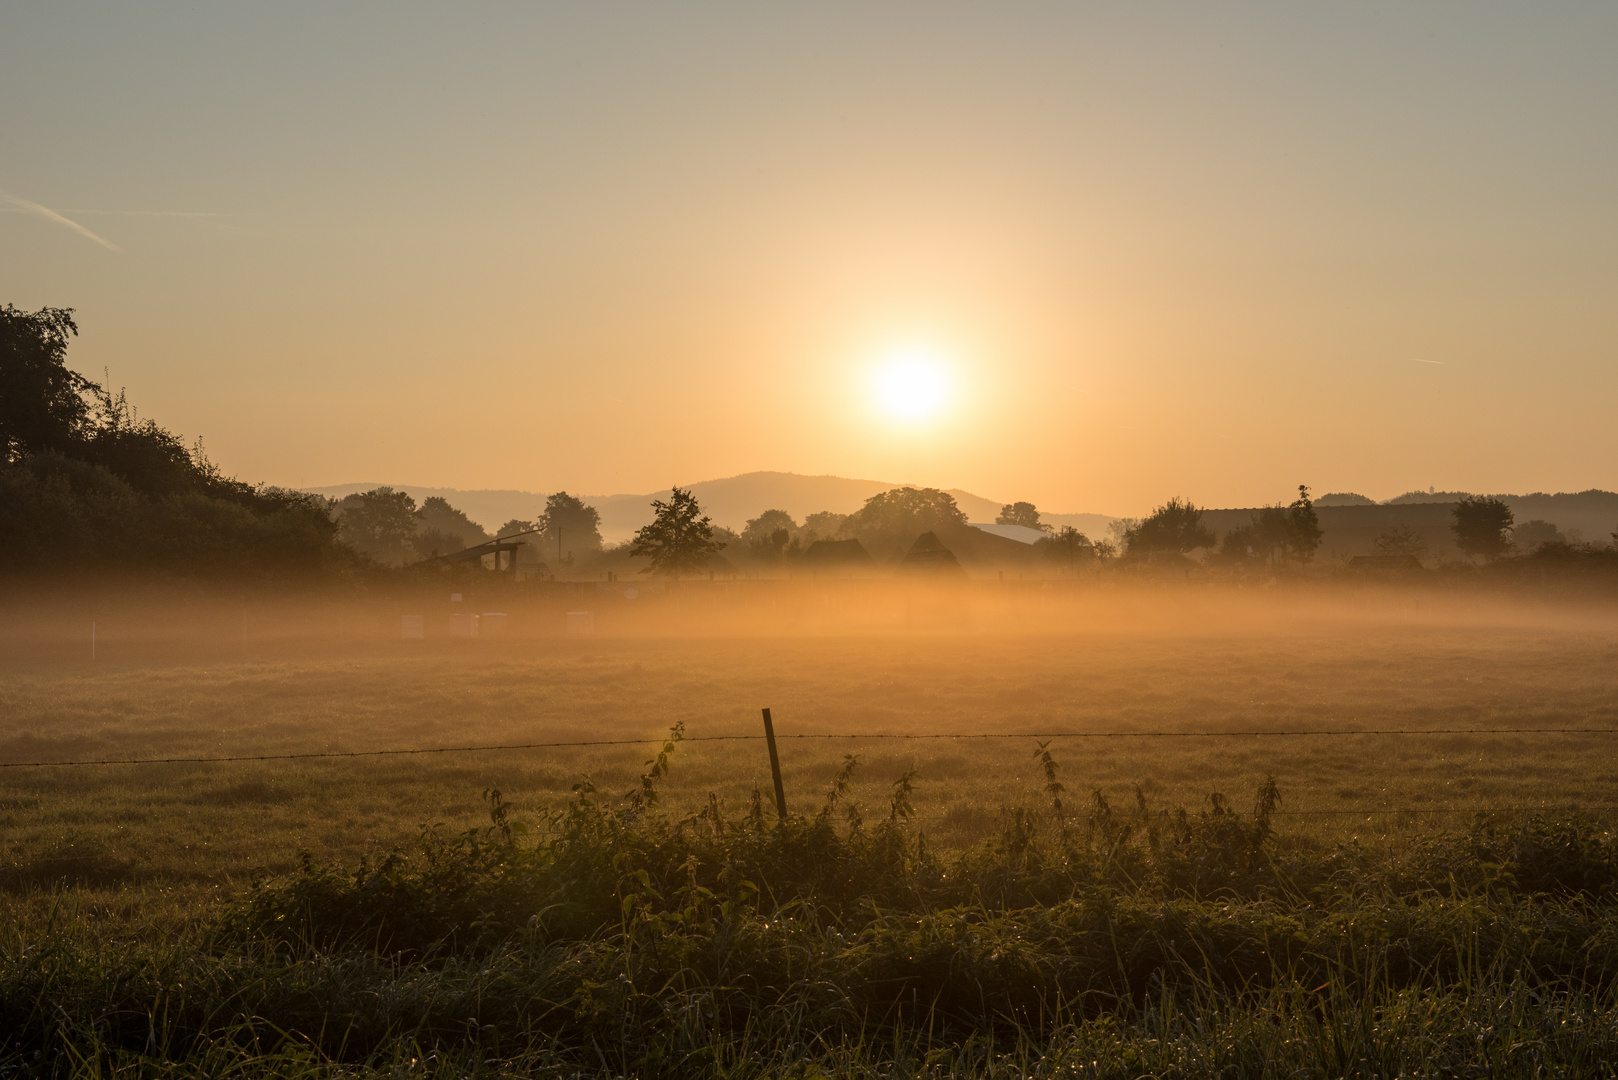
[{"x": 621, "y": 940}]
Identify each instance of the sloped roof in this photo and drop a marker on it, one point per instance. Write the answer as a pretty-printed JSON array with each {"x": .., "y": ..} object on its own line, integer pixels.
[
  {"x": 1020, "y": 533},
  {"x": 928, "y": 553},
  {"x": 837, "y": 551}
]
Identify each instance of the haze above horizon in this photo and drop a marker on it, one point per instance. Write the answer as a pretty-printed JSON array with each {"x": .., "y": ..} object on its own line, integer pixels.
[{"x": 1086, "y": 256}]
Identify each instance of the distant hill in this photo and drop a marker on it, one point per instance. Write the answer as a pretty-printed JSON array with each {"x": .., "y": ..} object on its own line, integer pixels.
[
  {"x": 1591, "y": 515},
  {"x": 1352, "y": 523},
  {"x": 730, "y": 501},
  {"x": 1417, "y": 497}
]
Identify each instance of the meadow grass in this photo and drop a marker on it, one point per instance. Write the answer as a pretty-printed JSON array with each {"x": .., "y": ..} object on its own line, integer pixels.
[
  {"x": 132, "y": 890},
  {"x": 616, "y": 939},
  {"x": 319, "y": 679}
]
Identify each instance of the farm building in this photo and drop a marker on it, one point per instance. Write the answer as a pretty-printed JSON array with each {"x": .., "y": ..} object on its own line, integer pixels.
[{"x": 928, "y": 555}]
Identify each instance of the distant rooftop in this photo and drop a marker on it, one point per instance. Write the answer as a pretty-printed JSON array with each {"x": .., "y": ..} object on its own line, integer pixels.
[{"x": 1020, "y": 533}]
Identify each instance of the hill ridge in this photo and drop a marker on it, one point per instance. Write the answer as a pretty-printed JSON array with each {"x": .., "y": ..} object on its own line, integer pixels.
[{"x": 729, "y": 500}]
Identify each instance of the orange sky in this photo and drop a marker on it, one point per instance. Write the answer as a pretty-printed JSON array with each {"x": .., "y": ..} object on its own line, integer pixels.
[{"x": 1151, "y": 249}]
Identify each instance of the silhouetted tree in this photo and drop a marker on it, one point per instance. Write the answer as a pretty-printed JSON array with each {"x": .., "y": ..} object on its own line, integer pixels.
[
  {"x": 1117, "y": 537},
  {"x": 1021, "y": 513},
  {"x": 147, "y": 455},
  {"x": 1402, "y": 542},
  {"x": 1173, "y": 528},
  {"x": 43, "y": 405},
  {"x": 569, "y": 526},
  {"x": 1271, "y": 533},
  {"x": 1482, "y": 526},
  {"x": 1240, "y": 546},
  {"x": 893, "y": 519},
  {"x": 380, "y": 522},
  {"x": 767, "y": 524},
  {"x": 824, "y": 524},
  {"x": 1531, "y": 535},
  {"x": 441, "y": 528},
  {"x": 46, "y": 407},
  {"x": 1303, "y": 526},
  {"x": 726, "y": 537},
  {"x": 679, "y": 540},
  {"x": 768, "y": 535},
  {"x": 531, "y": 554},
  {"x": 86, "y": 483},
  {"x": 1067, "y": 546}
]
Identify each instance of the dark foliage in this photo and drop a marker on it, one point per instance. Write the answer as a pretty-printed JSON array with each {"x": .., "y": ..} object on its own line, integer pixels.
[
  {"x": 1482, "y": 526},
  {"x": 85, "y": 483},
  {"x": 891, "y": 520},
  {"x": 626, "y": 941},
  {"x": 1025, "y": 514},
  {"x": 680, "y": 539},
  {"x": 1172, "y": 529},
  {"x": 43, "y": 405},
  {"x": 1067, "y": 547}
]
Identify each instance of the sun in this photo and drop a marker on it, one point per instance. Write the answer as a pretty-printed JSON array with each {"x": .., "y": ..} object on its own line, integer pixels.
[{"x": 911, "y": 384}]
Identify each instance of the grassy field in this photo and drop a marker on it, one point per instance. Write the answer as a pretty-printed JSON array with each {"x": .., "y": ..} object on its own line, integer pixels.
[
  {"x": 219, "y": 680},
  {"x": 130, "y": 893}
]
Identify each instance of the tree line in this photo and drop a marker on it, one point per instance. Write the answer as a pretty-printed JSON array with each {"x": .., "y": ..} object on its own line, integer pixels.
[
  {"x": 86, "y": 481},
  {"x": 388, "y": 526}
]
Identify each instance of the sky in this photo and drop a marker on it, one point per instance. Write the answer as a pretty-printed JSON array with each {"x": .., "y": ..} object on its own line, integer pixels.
[{"x": 1088, "y": 255}]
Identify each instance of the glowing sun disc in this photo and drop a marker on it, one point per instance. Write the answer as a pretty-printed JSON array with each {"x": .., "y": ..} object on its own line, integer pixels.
[{"x": 912, "y": 385}]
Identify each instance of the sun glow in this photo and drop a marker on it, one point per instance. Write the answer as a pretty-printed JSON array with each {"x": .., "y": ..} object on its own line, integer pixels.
[{"x": 911, "y": 384}]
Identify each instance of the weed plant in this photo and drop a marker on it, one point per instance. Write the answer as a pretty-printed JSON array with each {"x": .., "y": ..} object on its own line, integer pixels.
[{"x": 617, "y": 939}]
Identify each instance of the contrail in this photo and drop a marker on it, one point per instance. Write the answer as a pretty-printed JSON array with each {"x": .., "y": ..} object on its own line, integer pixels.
[
  {"x": 1419, "y": 360},
  {"x": 51, "y": 215},
  {"x": 147, "y": 213}
]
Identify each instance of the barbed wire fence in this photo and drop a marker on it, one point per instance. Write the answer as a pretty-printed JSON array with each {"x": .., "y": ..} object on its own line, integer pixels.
[{"x": 772, "y": 738}]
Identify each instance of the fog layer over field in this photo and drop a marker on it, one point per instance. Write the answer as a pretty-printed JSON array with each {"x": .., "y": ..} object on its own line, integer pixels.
[{"x": 1164, "y": 673}]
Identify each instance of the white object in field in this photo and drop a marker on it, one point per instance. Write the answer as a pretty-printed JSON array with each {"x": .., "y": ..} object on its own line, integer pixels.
[
  {"x": 631, "y": 592},
  {"x": 581, "y": 622},
  {"x": 465, "y": 626},
  {"x": 410, "y": 627},
  {"x": 492, "y": 624},
  {"x": 455, "y": 598}
]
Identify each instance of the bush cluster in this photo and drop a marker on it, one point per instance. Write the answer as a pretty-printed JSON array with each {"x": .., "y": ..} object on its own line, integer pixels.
[{"x": 619, "y": 939}]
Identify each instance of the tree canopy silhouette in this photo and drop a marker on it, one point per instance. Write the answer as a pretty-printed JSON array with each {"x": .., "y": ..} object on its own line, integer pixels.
[
  {"x": 893, "y": 519},
  {"x": 1303, "y": 526},
  {"x": 86, "y": 483},
  {"x": 43, "y": 405},
  {"x": 1482, "y": 526},
  {"x": 679, "y": 540},
  {"x": 1067, "y": 545},
  {"x": 1173, "y": 528},
  {"x": 568, "y": 525},
  {"x": 443, "y": 528},
  {"x": 1022, "y": 513},
  {"x": 768, "y": 535},
  {"x": 381, "y": 523}
]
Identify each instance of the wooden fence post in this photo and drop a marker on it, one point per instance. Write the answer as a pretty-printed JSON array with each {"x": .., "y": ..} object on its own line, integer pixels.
[{"x": 775, "y": 767}]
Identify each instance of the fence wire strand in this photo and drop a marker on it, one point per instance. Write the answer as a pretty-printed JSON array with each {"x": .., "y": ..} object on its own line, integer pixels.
[{"x": 783, "y": 736}]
